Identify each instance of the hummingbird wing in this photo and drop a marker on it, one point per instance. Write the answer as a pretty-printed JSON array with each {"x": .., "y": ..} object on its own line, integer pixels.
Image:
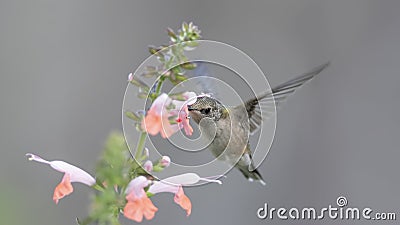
[{"x": 264, "y": 102}]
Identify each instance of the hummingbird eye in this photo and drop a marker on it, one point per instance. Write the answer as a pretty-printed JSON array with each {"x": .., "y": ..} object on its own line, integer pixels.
[{"x": 205, "y": 111}]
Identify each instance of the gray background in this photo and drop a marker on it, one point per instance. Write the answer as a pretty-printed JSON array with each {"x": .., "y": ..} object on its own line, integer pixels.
[{"x": 63, "y": 71}]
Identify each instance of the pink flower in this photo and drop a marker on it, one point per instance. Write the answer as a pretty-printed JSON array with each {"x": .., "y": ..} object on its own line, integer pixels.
[
  {"x": 148, "y": 166},
  {"x": 130, "y": 77},
  {"x": 174, "y": 185},
  {"x": 156, "y": 120},
  {"x": 183, "y": 120},
  {"x": 71, "y": 174},
  {"x": 183, "y": 112},
  {"x": 165, "y": 161},
  {"x": 146, "y": 152},
  {"x": 138, "y": 204}
]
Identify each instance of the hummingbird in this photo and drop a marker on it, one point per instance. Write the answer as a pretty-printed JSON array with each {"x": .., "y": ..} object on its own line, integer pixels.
[{"x": 227, "y": 129}]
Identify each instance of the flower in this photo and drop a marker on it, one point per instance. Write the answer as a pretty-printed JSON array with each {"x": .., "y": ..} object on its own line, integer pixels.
[
  {"x": 165, "y": 161},
  {"x": 183, "y": 112},
  {"x": 71, "y": 174},
  {"x": 183, "y": 120},
  {"x": 148, "y": 166},
  {"x": 174, "y": 185},
  {"x": 146, "y": 152},
  {"x": 156, "y": 120},
  {"x": 138, "y": 204},
  {"x": 130, "y": 77}
]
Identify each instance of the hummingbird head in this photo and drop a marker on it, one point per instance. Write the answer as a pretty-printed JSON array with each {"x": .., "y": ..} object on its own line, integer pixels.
[{"x": 206, "y": 107}]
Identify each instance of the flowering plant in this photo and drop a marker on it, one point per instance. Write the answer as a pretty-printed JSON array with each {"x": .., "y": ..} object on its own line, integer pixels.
[{"x": 124, "y": 184}]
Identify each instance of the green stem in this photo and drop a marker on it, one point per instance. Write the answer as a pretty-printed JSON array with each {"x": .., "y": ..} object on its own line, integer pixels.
[
  {"x": 159, "y": 85},
  {"x": 140, "y": 146},
  {"x": 143, "y": 135}
]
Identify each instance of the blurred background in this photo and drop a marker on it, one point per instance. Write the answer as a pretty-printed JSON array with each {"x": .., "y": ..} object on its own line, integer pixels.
[{"x": 63, "y": 73}]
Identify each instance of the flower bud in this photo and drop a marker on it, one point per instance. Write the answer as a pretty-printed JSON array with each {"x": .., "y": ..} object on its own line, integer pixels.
[
  {"x": 165, "y": 161},
  {"x": 146, "y": 152},
  {"x": 148, "y": 166},
  {"x": 130, "y": 77}
]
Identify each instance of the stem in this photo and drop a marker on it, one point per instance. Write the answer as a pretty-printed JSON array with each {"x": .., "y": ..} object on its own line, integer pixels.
[
  {"x": 140, "y": 146},
  {"x": 143, "y": 135},
  {"x": 159, "y": 85}
]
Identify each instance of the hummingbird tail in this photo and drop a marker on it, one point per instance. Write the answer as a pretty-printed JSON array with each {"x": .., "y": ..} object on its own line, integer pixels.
[{"x": 252, "y": 175}]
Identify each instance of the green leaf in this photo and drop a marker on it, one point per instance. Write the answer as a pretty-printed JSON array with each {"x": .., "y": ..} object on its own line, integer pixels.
[
  {"x": 185, "y": 27},
  {"x": 172, "y": 34},
  {"x": 192, "y": 43},
  {"x": 188, "y": 66},
  {"x": 133, "y": 116}
]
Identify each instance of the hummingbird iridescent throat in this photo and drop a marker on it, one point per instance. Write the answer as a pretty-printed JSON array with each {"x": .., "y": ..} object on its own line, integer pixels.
[{"x": 228, "y": 128}]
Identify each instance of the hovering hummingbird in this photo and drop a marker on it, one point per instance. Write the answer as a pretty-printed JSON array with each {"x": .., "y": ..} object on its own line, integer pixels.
[{"x": 228, "y": 128}]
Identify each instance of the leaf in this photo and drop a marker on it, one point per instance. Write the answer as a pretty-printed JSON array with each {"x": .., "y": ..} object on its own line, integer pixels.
[
  {"x": 185, "y": 27},
  {"x": 133, "y": 116},
  {"x": 188, "y": 66},
  {"x": 172, "y": 34},
  {"x": 150, "y": 72}
]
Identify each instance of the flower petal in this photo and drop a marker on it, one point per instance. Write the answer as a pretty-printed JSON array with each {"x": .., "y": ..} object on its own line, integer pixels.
[
  {"x": 130, "y": 77},
  {"x": 148, "y": 166},
  {"x": 166, "y": 129},
  {"x": 137, "y": 186},
  {"x": 138, "y": 204},
  {"x": 63, "y": 189},
  {"x": 136, "y": 209},
  {"x": 76, "y": 173},
  {"x": 184, "y": 117},
  {"x": 151, "y": 123},
  {"x": 191, "y": 97},
  {"x": 182, "y": 200},
  {"x": 133, "y": 211},
  {"x": 160, "y": 104},
  {"x": 160, "y": 186},
  {"x": 148, "y": 208},
  {"x": 165, "y": 161}
]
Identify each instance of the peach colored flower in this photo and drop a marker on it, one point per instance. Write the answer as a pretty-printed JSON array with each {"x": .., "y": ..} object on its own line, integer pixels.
[
  {"x": 156, "y": 119},
  {"x": 174, "y": 185},
  {"x": 71, "y": 174},
  {"x": 138, "y": 205}
]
